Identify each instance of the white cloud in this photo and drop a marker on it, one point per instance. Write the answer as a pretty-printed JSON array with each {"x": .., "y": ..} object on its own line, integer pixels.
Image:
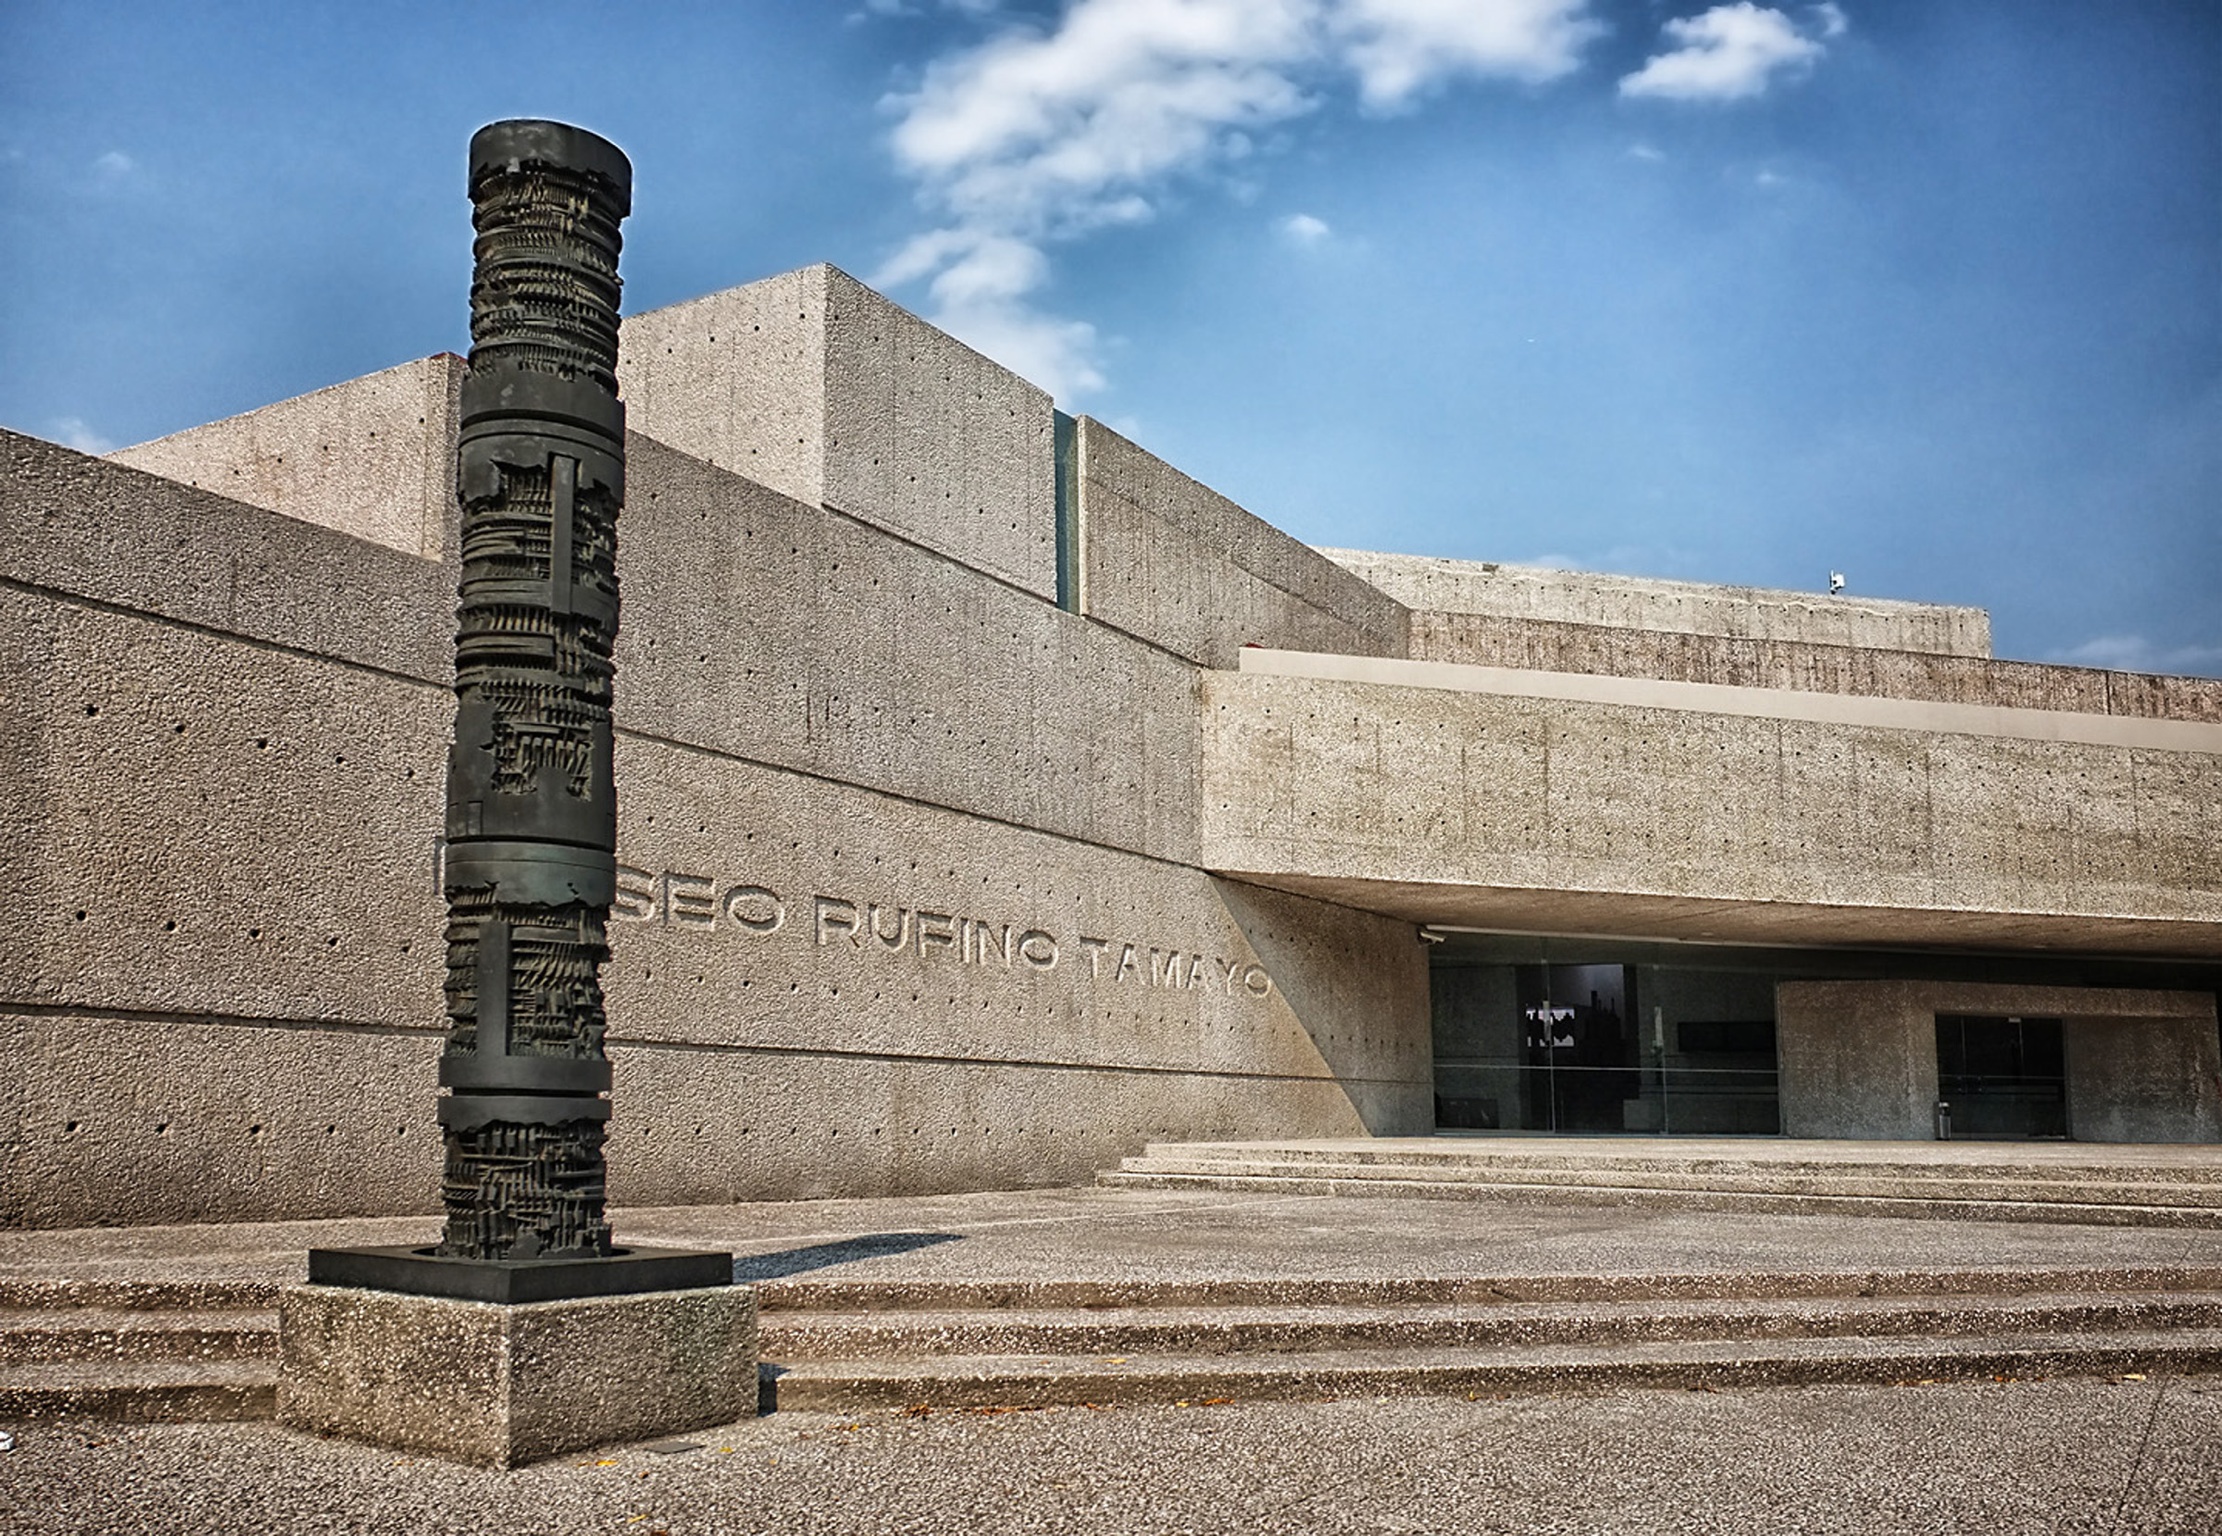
[
  {"x": 1731, "y": 52},
  {"x": 1304, "y": 229},
  {"x": 75, "y": 432},
  {"x": 1044, "y": 133},
  {"x": 1641, "y": 151},
  {"x": 1401, "y": 47},
  {"x": 113, "y": 164}
]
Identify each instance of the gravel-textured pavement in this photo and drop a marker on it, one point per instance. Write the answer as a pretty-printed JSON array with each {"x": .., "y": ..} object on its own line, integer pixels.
[{"x": 2091, "y": 1456}]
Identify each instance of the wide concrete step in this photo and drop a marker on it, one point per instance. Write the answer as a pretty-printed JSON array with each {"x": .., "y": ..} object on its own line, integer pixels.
[
  {"x": 883, "y": 1297},
  {"x": 141, "y": 1391},
  {"x": 132, "y": 1334},
  {"x": 996, "y": 1381},
  {"x": 1946, "y": 1161},
  {"x": 1423, "y": 1186},
  {"x": 1854, "y": 1181},
  {"x": 1188, "y": 1331},
  {"x": 20, "y": 1293}
]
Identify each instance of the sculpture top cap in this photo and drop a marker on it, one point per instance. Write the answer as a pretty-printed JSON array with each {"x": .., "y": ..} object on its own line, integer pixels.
[{"x": 520, "y": 142}]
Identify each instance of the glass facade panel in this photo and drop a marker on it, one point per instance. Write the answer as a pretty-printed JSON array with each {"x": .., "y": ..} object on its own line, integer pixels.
[
  {"x": 1605, "y": 1049},
  {"x": 2002, "y": 1077},
  {"x": 1551, "y": 1034}
]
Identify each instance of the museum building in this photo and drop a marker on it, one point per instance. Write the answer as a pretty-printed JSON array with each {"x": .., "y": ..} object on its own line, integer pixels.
[{"x": 995, "y": 798}]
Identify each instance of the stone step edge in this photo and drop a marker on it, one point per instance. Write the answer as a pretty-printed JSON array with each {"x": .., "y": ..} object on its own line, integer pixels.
[
  {"x": 2133, "y": 1173},
  {"x": 1692, "y": 1199},
  {"x": 21, "y": 1293},
  {"x": 1269, "y": 1330},
  {"x": 141, "y": 1392},
  {"x": 1024, "y": 1381},
  {"x": 806, "y": 1296},
  {"x": 1885, "y": 1186}
]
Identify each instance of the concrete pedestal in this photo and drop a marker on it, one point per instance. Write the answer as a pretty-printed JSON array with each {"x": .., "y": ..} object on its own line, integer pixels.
[{"x": 498, "y": 1386}]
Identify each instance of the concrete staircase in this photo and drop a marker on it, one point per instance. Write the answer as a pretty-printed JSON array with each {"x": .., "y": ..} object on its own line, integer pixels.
[
  {"x": 2110, "y": 1186},
  {"x": 141, "y": 1352},
  {"x": 851, "y": 1348},
  {"x": 150, "y": 1353}
]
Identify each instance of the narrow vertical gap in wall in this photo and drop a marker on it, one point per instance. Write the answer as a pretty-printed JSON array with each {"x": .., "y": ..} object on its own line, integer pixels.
[{"x": 1067, "y": 432}]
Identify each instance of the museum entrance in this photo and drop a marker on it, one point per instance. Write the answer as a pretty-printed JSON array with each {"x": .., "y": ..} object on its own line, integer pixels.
[
  {"x": 1601, "y": 1048},
  {"x": 2001, "y": 1078}
]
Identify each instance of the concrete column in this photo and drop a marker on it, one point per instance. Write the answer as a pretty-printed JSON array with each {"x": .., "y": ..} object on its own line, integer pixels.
[{"x": 1858, "y": 1058}]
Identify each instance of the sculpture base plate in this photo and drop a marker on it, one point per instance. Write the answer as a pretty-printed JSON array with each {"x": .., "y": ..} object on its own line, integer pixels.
[{"x": 513, "y": 1282}]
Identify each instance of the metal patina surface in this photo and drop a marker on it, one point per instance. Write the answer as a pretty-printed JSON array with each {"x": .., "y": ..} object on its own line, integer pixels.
[
  {"x": 530, "y": 861},
  {"x": 532, "y": 807}
]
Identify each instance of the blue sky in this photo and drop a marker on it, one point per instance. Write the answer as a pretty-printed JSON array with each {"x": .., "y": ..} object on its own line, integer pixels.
[{"x": 1925, "y": 291}]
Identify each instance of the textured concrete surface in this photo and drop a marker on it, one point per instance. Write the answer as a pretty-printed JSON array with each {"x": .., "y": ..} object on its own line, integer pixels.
[
  {"x": 2143, "y": 1079},
  {"x": 761, "y": 628},
  {"x": 1859, "y": 1058},
  {"x": 832, "y": 394},
  {"x": 372, "y": 457},
  {"x": 1423, "y": 582},
  {"x": 1172, "y": 561},
  {"x": 1492, "y": 810},
  {"x": 1133, "y": 1246},
  {"x": 1992, "y": 1457},
  {"x": 227, "y": 879},
  {"x": 500, "y": 1386},
  {"x": 1555, "y": 646}
]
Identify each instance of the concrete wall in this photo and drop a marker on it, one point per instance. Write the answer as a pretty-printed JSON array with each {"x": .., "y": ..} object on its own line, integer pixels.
[
  {"x": 1552, "y": 646},
  {"x": 1170, "y": 560},
  {"x": 1680, "y": 607},
  {"x": 1562, "y": 815},
  {"x": 1859, "y": 1058},
  {"x": 812, "y": 384},
  {"x": 373, "y": 457},
  {"x": 224, "y": 1001},
  {"x": 2144, "y": 1078}
]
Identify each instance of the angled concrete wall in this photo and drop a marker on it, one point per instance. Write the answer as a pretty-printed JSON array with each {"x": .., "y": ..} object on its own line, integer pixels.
[
  {"x": 370, "y": 457},
  {"x": 1170, "y": 560},
  {"x": 1681, "y": 607},
  {"x": 909, "y": 904},
  {"x": 812, "y": 384}
]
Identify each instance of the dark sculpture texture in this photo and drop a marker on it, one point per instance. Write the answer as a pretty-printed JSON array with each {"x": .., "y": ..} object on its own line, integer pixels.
[{"x": 531, "y": 810}]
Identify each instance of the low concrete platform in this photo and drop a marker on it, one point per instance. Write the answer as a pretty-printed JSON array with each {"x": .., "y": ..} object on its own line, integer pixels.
[{"x": 2098, "y": 1184}]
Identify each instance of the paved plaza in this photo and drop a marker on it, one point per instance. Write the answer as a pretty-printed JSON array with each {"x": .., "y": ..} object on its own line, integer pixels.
[{"x": 2119, "y": 1451}]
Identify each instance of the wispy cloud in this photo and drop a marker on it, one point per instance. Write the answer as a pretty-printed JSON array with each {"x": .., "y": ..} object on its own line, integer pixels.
[
  {"x": 76, "y": 432},
  {"x": 1733, "y": 52},
  {"x": 1045, "y": 133},
  {"x": 2136, "y": 653},
  {"x": 1305, "y": 229}
]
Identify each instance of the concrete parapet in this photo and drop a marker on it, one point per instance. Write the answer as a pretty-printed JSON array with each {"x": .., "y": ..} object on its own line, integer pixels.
[
  {"x": 373, "y": 457},
  {"x": 816, "y": 386},
  {"x": 1683, "y": 607},
  {"x": 499, "y": 1386},
  {"x": 1566, "y": 815},
  {"x": 1550, "y": 645},
  {"x": 1170, "y": 560}
]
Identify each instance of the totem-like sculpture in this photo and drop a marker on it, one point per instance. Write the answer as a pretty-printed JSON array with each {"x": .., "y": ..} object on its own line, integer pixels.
[{"x": 531, "y": 807}]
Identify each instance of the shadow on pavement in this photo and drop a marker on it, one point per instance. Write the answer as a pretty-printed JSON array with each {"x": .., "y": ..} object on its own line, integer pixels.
[{"x": 794, "y": 1261}]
